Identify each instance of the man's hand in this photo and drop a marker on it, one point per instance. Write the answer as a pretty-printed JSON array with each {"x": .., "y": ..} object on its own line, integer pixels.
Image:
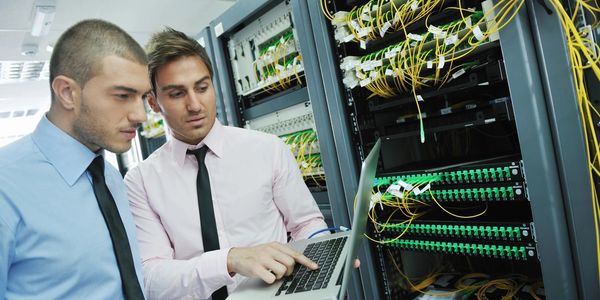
[{"x": 268, "y": 262}]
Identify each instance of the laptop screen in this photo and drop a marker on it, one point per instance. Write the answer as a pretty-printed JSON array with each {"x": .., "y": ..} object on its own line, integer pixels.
[{"x": 361, "y": 209}]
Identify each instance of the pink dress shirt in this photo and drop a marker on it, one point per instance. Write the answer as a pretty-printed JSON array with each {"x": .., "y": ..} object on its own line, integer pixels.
[{"x": 258, "y": 196}]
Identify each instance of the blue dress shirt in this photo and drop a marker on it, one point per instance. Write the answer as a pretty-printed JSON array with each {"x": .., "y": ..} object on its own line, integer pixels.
[{"x": 54, "y": 243}]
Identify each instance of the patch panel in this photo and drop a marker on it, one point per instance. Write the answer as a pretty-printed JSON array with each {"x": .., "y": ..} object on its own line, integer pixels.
[
  {"x": 304, "y": 142},
  {"x": 515, "y": 192},
  {"x": 513, "y": 252},
  {"x": 292, "y": 119},
  {"x": 265, "y": 52},
  {"x": 503, "y": 172},
  {"x": 483, "y": 231}
]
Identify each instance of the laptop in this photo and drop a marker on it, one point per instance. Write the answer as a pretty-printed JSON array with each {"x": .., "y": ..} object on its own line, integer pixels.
[{"x": 334, "y": 254}]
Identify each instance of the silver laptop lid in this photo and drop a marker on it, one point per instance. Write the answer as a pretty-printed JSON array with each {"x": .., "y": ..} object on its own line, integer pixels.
[{"x": 361, "y": 209}]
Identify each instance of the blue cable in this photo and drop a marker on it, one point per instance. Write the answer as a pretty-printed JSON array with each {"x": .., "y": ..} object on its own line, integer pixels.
[{"x": 341, "y": 228}]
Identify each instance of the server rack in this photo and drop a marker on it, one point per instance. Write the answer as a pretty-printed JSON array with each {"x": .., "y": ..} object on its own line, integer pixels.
[
  {"x": 564, "y": 243},
  {"x": 204, "y": 38},
  {"x": 291, "y": 108},
  {"x": 332, "y": 201}
]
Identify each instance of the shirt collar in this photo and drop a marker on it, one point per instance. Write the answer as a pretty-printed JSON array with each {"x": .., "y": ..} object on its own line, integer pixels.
[
  {"x": 69, "y": 156},
  {"x": 213, "y": 140}
]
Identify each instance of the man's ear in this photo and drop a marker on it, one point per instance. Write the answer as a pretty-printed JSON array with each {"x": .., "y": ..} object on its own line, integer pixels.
[
  {"x": 153, "y": 102},
  {"x": 66, "y": 91}
]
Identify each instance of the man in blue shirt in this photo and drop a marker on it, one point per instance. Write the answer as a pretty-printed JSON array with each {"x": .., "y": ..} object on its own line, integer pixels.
[{"x": 65, "y": 228}]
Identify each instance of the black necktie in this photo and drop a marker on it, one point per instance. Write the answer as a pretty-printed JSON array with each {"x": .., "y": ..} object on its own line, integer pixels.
[
  {"x": 210, "y": 238},
  {"x": 106, "y": 202}
]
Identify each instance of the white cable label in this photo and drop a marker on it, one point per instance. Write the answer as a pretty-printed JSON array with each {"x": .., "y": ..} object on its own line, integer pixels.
[
  {"x": 453, "y": 39},
  {"x": 478, "y": 34},
  {"x": 429, "y": 64},
  {"x": 435, "y": 30},
  {"x": 415, "y": 5},
  {"x": 441, "y": 61},
  {"x": 384, "y": 28},
  {"x": 420, "y": 98},
  {"x": 364, "y": 31},
  {"x": 396, "y": 18},
  {"x": 458, "y": 73},
  {"x": 363, "y": 44},
  {"x": 360, "y": 75},
  {"x": 365, "y": 82},
  {"x": 374, "y": 199},
  {"x": 405, "y": 185},
  {"x": 395, "y": 190},
  {"x": 418, "y": 191},
  {"x": 415, "y": 37},
  {"x": 389, "y": 72}
]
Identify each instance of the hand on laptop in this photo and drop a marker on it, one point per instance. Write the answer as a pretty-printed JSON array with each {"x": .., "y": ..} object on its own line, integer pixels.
[{"x": 268, "y": 262}]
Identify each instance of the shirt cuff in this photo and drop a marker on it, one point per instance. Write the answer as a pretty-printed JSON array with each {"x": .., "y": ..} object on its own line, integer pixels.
[{"x": 214, "y": 267}]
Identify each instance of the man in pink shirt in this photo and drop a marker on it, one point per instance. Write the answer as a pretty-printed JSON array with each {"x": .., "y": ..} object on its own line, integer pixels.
[{"x": 257, "y": 191}]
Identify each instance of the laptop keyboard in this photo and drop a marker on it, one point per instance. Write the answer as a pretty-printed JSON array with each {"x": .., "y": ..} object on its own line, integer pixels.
[{"x": 325, "y": 254}]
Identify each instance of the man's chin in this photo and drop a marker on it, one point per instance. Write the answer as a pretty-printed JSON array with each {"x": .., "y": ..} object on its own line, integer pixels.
[{"x": 119, "y": 149}]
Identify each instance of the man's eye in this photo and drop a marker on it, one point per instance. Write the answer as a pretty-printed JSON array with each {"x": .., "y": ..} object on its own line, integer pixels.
[
  {"x": 122, "y": 96},
  {"x": 175, "y": 94}
]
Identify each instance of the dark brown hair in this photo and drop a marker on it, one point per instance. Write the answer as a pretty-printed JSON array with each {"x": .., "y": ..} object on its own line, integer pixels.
[
  {"x": 79, "y": 51},
  {"x": 169, "y": 45}
]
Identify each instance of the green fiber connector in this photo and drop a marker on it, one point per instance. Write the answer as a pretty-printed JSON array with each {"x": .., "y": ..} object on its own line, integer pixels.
[{"x": 506, "y": 171}]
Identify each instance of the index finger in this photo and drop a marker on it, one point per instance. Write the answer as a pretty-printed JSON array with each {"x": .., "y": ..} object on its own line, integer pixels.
[{"x": 299, "y": 257}]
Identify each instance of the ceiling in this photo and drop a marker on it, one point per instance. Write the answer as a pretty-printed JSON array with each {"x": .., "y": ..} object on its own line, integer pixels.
[{"x": 140, "y": 18}]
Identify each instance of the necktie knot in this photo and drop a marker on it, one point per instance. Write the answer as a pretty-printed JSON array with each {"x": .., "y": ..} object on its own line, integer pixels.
[
  {"x": 96, "y": 167},
  {"x": 199, "y": 153}
]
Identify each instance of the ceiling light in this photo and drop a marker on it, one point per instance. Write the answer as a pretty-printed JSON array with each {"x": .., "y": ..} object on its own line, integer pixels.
[
  {"x": 29, "y": 49},
  {"x": 42, "y": 20}
]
